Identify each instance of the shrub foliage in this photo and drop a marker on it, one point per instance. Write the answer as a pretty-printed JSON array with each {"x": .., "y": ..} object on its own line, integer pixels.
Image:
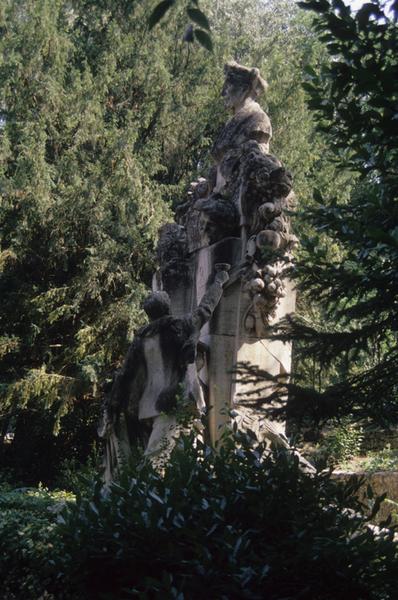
[{"x": 237, "y": 523}]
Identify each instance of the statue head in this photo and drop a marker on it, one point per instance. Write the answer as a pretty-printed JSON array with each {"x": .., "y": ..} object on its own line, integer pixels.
[
  {"x": 241, "y": 83},
  {"x": 157, "y": 305}
]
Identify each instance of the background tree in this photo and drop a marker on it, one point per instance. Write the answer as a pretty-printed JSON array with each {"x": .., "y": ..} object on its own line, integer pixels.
[
  {"x": 104, "y": 123},
  {"x": 349, "y": 264}
]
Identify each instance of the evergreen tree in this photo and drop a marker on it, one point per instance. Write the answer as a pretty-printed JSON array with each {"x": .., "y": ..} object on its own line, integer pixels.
[
  {"x": 103, "y": 125},
  {"x": 349, "y": 264},
  {"x": 79, "y": 207}
]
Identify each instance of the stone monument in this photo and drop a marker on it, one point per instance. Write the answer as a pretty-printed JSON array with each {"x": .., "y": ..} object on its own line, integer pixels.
[{"x": 234, "y": 220}]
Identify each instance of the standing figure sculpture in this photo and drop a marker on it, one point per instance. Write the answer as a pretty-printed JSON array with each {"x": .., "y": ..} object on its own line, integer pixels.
[{"x": 159, "y": 370}]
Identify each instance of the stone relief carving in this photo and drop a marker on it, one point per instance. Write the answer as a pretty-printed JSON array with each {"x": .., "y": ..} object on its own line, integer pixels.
[{"x": 172, "y": 255}]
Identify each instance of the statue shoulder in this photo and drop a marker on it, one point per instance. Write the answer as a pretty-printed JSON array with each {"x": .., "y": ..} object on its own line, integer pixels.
[
  {"x": 253, "y": 123},
  {"x": 250, "y": 123}
]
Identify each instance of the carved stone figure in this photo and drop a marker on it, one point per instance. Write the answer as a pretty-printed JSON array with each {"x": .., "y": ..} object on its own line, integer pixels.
[
  {"x": 249, "y": 122},
  {"x": 172, "y": 254},
  {"x": 158, "y": 370},
  {"x": 237, "y": 215}
]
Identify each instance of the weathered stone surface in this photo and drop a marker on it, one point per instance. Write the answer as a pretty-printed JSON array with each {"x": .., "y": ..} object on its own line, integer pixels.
[
  {"x": 172, "y": 255},
  {"x": 237, "y": 215},
  {"x": 381, "y": 482},
  {"x": 249, "y": 122},
  {"x": 158, "y": 369},
  {"x": 256, "y": 187}
]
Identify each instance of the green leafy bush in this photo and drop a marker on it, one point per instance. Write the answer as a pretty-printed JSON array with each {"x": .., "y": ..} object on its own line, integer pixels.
[
  {"x": 237, "y": 523},
  {"x": 354, "y": 286},
  {"x": 383, "y": 460},
  {"x": 77, "y": 477},
  {"x": 28, "y": 540},
  {"x": 342, "y": 443}
]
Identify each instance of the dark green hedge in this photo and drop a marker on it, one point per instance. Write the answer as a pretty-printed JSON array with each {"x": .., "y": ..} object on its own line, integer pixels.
[{"x": 223, "y": 525}]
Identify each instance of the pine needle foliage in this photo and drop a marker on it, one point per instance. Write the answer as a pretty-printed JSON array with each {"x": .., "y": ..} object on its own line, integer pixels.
[
  {"x": 103, "y": 124},
  {"x": 349, "y": 265},
  {"x": 79, "y": 209}
]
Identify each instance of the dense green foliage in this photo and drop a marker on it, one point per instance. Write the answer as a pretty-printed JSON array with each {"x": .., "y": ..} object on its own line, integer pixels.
[
  {"x": 234, "y": 523},
  {"x": 348, "y": 267},
  {"x": 340, "y": 444},
  {"x": 28, "y": 540},
  {"x": 79, "y": 209},
  {"x": 194, "y": 14},
  {"x": 103, "y": 124},
  {"x": 37, "y": 455}
]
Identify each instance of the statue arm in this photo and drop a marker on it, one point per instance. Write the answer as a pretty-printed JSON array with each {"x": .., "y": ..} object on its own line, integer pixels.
[
  {"x": 203, "y": 313},
  {"x": 210, "y": 300}
]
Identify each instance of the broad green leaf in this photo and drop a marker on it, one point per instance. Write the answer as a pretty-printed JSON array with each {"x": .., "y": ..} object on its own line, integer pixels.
[
  {"x": 188, "y": 35},
  {"x": 376, "y": 507},
  {"x": 364, "y": 13},
  {"x": 204, "y": 39},
  {"x": 317, "y": 195},
  {"x": 309, "y": 70},
  {"x": 344, "y": 10},
  {"x": 158, "y": 12},
  {"x": 198, "y": 17},
  {"x": 316, "y": 5}
]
